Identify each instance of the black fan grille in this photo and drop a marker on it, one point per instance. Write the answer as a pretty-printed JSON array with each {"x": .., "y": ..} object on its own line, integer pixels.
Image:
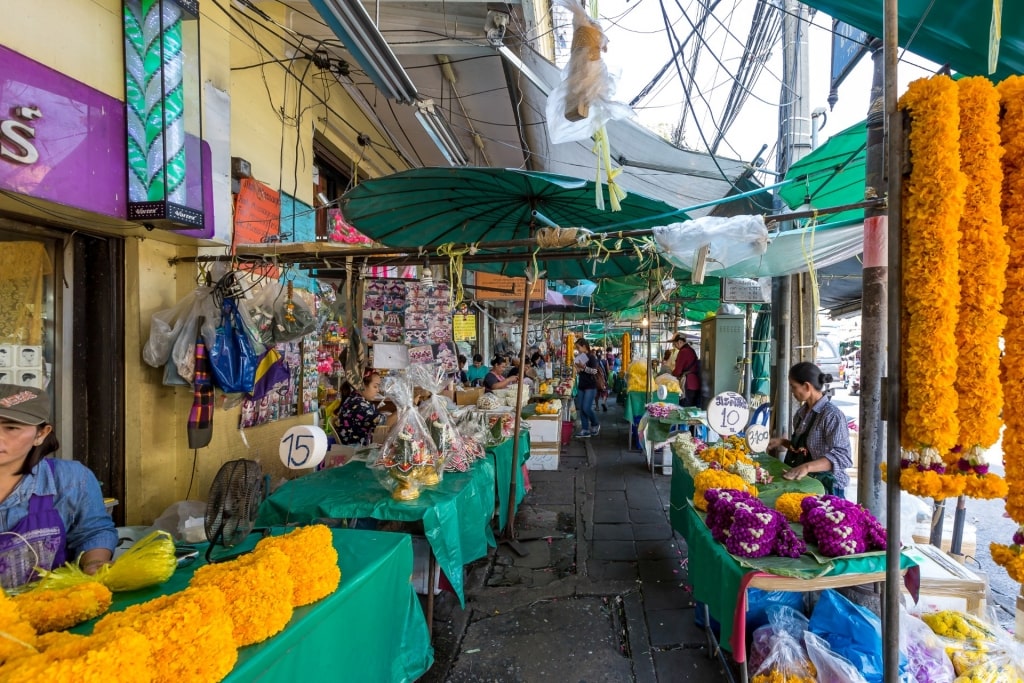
[{"x": 235, "y": 496}]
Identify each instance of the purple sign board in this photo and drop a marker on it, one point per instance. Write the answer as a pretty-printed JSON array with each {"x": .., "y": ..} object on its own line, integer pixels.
[{"x": 62, "y": 141}]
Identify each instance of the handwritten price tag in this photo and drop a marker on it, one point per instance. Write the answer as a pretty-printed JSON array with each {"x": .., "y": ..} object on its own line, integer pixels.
[
  {"x": 728, "y": 413},
  {"x": 757, "y": 438},
  {"x": 303, "y": 447}
]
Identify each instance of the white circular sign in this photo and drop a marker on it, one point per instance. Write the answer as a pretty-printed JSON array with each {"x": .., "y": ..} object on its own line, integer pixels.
[
  {"x": 728, "y": 413},
  {"x": 757, "y": 438},
  {"x": 303, "y": 447},
  {"x": 662, "y": 392}
]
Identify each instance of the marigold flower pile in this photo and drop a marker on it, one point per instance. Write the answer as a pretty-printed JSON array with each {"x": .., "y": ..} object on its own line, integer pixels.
[
  {"x": 789, "y": 505},
  {"x": 313, "y": 562},
  {"x": 716, "y": 479},
  {"x": 121, "y": 655},
  {"x": 839, "y": 527},
  {"x": 58, "y": 609},
  {"x": 748, "y": 528}
]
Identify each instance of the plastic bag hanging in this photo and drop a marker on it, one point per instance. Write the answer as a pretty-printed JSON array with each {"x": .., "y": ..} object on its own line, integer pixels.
[{"x": 409, "y": 454}]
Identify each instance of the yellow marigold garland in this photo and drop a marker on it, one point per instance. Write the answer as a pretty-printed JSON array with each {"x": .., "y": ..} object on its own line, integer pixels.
[
  {"x": 789, "y": 505},
  {"x": 314, "y": 562},
  {"x": 717, "y": 479},
  {"x": 983, "y": 258},
  {"x": 121, "y": 655},
  {"x": 1010, "y": 558},
  {"x": 20, "y": 639},
  {"x": 933, "y": 203},
  {"x": 258, "y": 589},
  {"x": 190, "y": 633},
  {"x": 62, "y": 608}
]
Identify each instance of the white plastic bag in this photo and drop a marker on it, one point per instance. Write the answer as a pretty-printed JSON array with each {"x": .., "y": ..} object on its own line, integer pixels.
[
  {"x": 165, "y": 327},
  {"x": 831, "y": 668},
  {"x": 926, "y": 657},
  {"x": 731, "y": 240},
  {"x": 585, "y": 79}
]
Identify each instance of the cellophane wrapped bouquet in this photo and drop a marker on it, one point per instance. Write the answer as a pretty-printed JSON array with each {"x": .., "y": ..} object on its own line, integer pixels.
[
  {"x": 456, "y": 451},
  {"x": 981, "y": 652},
  {"x": 409, "y": 455},
  {"x": 927, "y": 660},
  {"x": 777, "y": 654}
]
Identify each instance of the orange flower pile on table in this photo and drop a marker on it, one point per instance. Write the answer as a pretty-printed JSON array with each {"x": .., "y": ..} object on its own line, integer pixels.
[
  {"x": 983, "y": 258},
  {"x": 1012, "y": 92},
  {"x": 258, "y": 590},
  {"x": 190, "y": 633},
  {"x": 717, "y": 479},
  {"x": 121, "y": 655},
  {"x": 932, "y": 205},
  {"x": 314, "y": 562},
  {"x": 21, "y": 637},
  {"x": 61, "y": 608},
  {"x": 789, "y": 505}
]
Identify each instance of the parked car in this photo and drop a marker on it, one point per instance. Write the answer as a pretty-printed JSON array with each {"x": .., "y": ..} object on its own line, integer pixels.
[{"x": 827, "y": 356}]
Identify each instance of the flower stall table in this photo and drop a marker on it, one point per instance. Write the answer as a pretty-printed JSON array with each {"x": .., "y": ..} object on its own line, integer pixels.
[
  {"x": 500, "y": 457},
  {"x": 636, "y": 404},
  {"x": 720, "y": 580},
  {"x": 456, "y": 513},
  {"x": 370, "y": 629},
  {"x": 658, "y": 430}
]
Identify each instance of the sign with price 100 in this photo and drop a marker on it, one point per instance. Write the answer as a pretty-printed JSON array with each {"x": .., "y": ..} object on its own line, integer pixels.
[{"x": 728, "y": 413}]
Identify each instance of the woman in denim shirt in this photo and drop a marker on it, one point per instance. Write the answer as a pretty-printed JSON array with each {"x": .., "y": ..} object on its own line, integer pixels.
[{"x": 51, "y": 510}]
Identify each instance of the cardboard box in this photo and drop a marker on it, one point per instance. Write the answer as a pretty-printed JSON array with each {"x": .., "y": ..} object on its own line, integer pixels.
[
  {"x": 468, "y": 397},
  {"x": 380, "y": 433}
]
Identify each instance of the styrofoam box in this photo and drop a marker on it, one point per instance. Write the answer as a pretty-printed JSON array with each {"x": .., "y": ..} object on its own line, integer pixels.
[
  {"x": 543, "y": 458},
  {"x": 420, "y": 564},
  {"x": 547, "y": 428}
]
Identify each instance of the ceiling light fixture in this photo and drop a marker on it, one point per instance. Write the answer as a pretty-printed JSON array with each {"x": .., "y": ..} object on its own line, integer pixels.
[
  {"x": 441, "y": 133},
  {"x": 351, "y": 23}
]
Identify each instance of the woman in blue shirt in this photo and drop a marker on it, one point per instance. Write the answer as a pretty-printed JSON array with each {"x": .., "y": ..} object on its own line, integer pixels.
[{"x": 51, "y": 510}]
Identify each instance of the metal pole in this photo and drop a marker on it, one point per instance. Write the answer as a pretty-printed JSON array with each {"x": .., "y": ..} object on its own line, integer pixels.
[
  {"x": 959, "y": 517},
  {"x": 748, "y": 352},
  {"x": 875, "y": 307},
  {"x": 510, "y": 519},
  {"x": 894, "y": 147}
]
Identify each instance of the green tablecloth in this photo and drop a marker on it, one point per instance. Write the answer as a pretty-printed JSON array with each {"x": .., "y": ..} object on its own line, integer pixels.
[
  {"x": 371, "y": 628},
  {"x": 456, "y": 513},
  {"x": 717, "y": 578},
  {"x": 500, "y": 457},
  {"x": 636, "y": 403}
]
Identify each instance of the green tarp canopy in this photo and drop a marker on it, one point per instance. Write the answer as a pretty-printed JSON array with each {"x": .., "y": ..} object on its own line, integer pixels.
[
  {"x": 831, "y": 175},
  {"x": 627, "y": 296}
]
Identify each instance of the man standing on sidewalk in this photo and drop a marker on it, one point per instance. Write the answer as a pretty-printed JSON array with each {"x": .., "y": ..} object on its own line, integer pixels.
[{"x": 687, "y": 371}]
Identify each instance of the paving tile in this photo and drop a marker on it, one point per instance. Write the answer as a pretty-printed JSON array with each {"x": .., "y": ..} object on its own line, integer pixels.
[
  {"x": 654, "y": 532},
  {"x": 604, "y": 570},
  {"x": 688, "y": 665},
  {"x": 659, "y": 550},
  {"x": 659, "y": 595},
  {"x": 618, "y": 551},
  {"x": 647, "y": 516},
  {"x": 674, "y": 627},
  {"x": 660, "y": 570},
  {"x": 606, "y": 498},
  {"x": 613, "y": 532},
  {"x": 611, "y": 514},
  {"x": 648, "y": 501}
]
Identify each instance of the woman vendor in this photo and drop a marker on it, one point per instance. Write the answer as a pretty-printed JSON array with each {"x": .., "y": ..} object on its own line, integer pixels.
[
  {"x": 51, "y": 510},
  {"x": 496, "y": 379},
  {"x": 356, "y": 417},
  {"x": 476, "y": 372},
  {"x": 820, "y": 444}
]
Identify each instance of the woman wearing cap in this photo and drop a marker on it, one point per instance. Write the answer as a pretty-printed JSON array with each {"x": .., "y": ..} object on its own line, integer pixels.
[
  {"x": 820, "y": 444},
  {"x": 51, "y": 510},
  {"x": 357, "y": 416}
]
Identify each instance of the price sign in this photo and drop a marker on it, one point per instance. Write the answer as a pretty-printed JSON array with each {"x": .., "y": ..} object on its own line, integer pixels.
[
  {"x": 303, "y": 447},
  {"x": 757, "y": 438},
  {"x": 728, "y": 413},
  {"x": 662, "y": 392}
]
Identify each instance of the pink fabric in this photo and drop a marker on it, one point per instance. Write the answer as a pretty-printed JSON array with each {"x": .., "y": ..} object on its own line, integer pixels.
[{"x": 738, "y": 639}]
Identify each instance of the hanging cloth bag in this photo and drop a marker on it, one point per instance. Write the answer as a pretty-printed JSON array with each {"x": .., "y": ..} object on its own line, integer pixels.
[{"x": 232, "y": 358}]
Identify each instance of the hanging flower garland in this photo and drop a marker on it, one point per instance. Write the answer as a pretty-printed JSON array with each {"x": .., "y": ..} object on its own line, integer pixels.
[
  {"x": 983, "y": 259},
  {"x": 932, "y": 206},
  {"x": 1012, "y": 92}
]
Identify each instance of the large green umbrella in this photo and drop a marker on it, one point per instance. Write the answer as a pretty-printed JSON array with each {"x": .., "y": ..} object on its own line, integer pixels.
[
  {"x": 627, "y": 297},
  {"x": 429, "y": 207},
  {"x": 831, "y": 175}
]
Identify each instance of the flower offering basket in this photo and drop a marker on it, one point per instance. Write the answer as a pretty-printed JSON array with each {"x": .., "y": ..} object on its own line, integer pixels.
[{"x": 408, "y": 457}]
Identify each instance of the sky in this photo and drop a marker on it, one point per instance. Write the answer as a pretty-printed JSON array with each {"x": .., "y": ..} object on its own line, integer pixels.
[{"x": 638, "y": 47}]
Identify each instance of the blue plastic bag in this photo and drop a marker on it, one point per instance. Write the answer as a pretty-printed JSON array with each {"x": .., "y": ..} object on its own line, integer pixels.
[
  {"x": 852, "y": 631},
  {"x": 231, "y": 357},
  {"x": 759, "y": 601}
]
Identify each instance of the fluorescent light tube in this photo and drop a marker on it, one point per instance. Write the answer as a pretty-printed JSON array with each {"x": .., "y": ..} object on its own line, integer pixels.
[
  {"x": 351, "y": 23},
  {"x": 441, "y": 133}
]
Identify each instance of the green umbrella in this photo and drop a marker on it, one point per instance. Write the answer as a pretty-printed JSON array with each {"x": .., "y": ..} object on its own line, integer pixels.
[
  {"x": 831, "y": 175},
  {"x": 429, "y": 207}
]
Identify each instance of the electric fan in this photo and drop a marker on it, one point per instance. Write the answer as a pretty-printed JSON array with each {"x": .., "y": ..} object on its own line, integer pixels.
[{"x": 235, "y": 495}]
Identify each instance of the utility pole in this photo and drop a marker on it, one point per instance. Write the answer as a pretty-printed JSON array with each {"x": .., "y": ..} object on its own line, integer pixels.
[
  {"x": 875, "y": 304},
  {"x": 793, "y": 314}
]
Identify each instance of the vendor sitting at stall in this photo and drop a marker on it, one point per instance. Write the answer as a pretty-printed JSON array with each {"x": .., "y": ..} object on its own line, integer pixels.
[
  {"x": 820, "y": 445},
  {"x": 496, "y": 379},
  {"x": 357, "y": 416},
  {"x": 476, "y": 372}
]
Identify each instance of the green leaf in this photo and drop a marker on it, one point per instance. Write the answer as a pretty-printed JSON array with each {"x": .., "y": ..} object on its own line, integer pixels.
[{"x": 769, "y": 493}]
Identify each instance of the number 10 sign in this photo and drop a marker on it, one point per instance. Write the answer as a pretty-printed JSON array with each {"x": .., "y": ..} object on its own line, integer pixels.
[{"x": 728, "y": 413}]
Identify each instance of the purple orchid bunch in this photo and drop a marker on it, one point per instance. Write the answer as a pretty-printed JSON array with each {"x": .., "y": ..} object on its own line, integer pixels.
[
  {"x": 840, "y": 527},
  {"x": 747, "y": 527}
]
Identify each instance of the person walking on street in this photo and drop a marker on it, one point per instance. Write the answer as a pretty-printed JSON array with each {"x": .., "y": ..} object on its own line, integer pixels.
[
  {"x": 588, "y": 369},
  {"x": 687, "y": 371},
  {"x": 602, "y": 393}
]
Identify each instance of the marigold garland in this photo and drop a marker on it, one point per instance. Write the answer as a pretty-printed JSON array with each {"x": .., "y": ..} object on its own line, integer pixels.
[
  {"x": 717, "y": 479},
  {"x": 314, "y": 562},
  {"x": 61, "y": 608},
  {"x": 932, "y": 205},
  {"x": 258, "y": 589},
  {"x": 121, "y": 655},
  {"x": 983, "y": 258},
  {"x": 789, "y": 505},
  {"x": 190, "y": 633},
  {"x": 21, "y": 637}
]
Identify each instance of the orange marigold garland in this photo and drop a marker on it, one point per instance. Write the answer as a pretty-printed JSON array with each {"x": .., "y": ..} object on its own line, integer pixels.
[
  {"x": 61, "y": 608},
  {"x": 717, "y": 479},
  {"x": 983, "y": 258},
  {"x": 932, "y": 205},
  {"x": 1012, "y": 92},
  {"x": 20, "y": 639},
  {"x": 314, "y": 562},
  {"x": 121, "y": 655}
]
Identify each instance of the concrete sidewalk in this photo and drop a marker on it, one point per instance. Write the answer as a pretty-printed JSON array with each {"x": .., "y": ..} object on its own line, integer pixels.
[{"x": 602, "y": 593}]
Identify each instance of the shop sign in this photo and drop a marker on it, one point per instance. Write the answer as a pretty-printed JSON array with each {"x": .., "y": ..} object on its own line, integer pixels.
[
  {"x": 464, "y": 325},
  {"x": 490, "y": 287},
  {"x": 16, "y": 136}
]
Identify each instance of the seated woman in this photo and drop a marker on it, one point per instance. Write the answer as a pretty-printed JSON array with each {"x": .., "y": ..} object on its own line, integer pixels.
[
  {"x": 820, "y": 444},
  {"x": 496, "y": 379},
  {"x": 476, "y": 372},
  {"x": 357, "y": 416}
]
